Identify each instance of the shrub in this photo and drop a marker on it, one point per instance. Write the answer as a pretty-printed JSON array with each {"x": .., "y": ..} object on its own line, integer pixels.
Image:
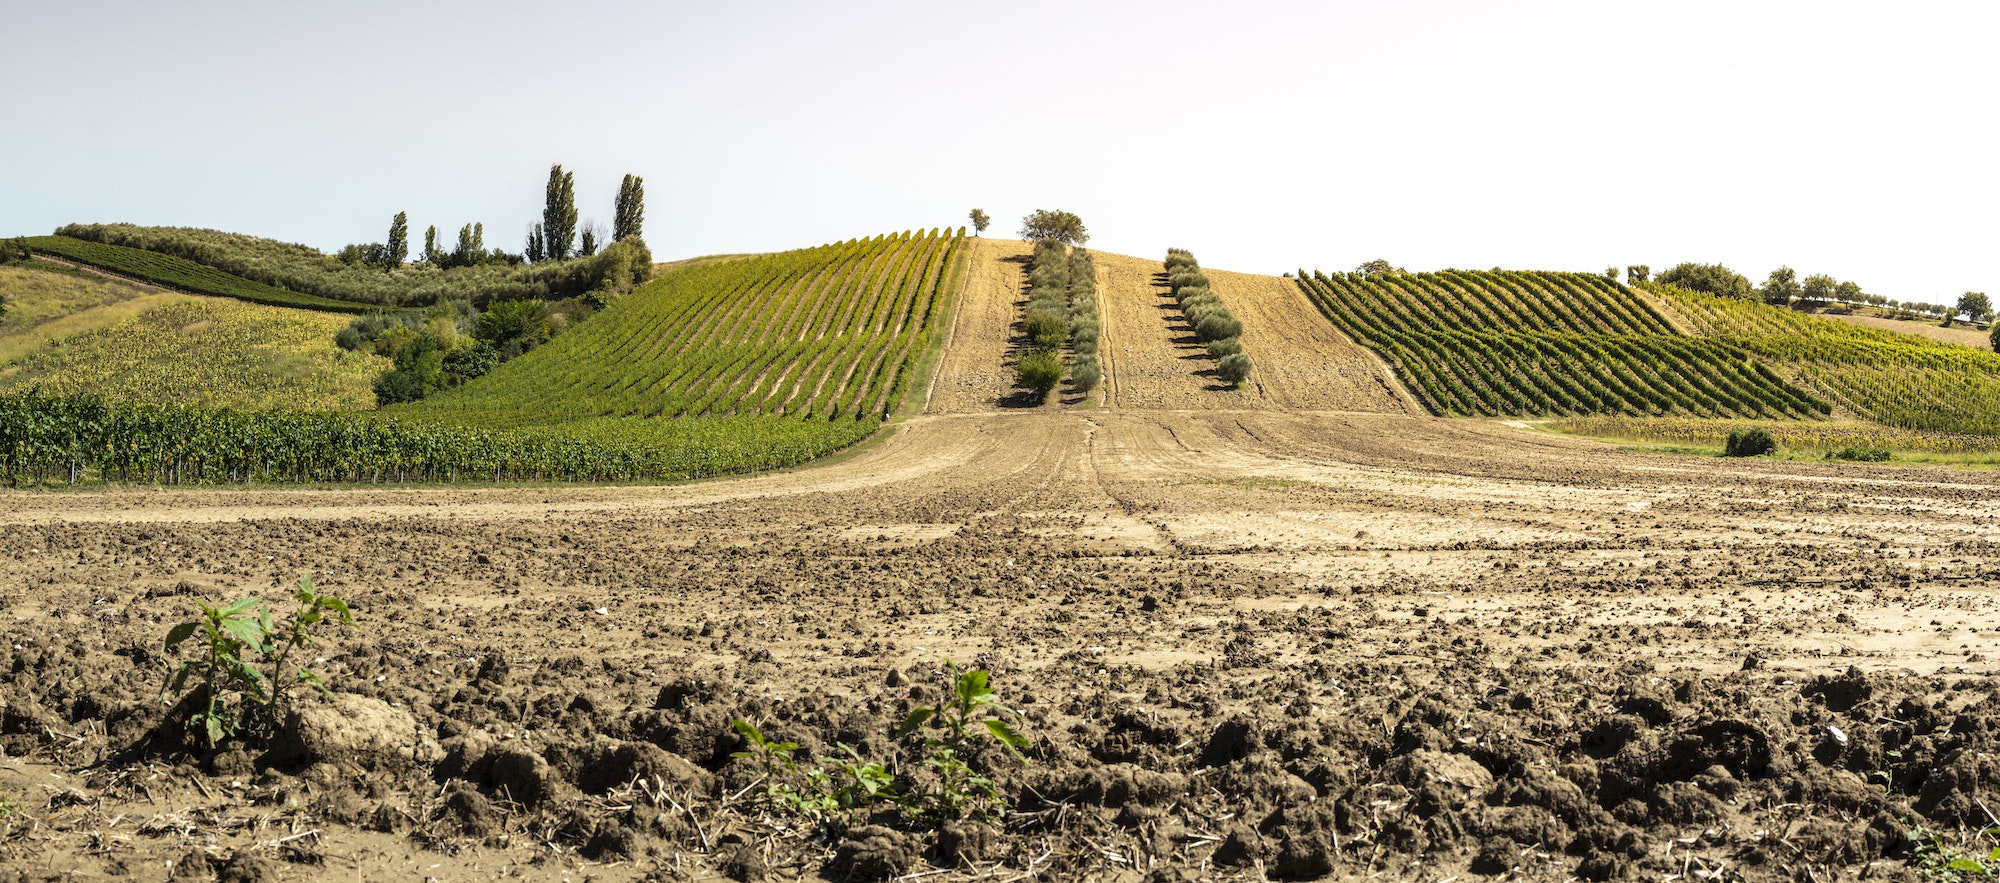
[
  {"x": 234, "y": 696},
  {"x": 1227, "y": 346},
  {"x": 1046, "y": 330},
  {"x": 1864, "y": 455},
  {"x": 1217, "y": 327},
  {"x": 1753, "y": 442},
  {"x": 1039, "y": 371},
  {"x": 1085, "y": 375},
  {"x": 1233, "y": 368}
]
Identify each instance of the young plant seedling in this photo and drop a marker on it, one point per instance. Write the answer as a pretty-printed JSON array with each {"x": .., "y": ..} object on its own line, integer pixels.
[
  {"x": 235, "y": 696},
  {"x": 946, "y": 732}
]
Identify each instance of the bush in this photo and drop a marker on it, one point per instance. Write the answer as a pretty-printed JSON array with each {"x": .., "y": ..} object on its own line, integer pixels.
[
  {"x": 1994, "y": 338},
  {"x": 1712, "y": 278},
  {"x": 1046, "y": 331},
  {"x": 1864, "y": 455},
  {"x": 1233, "y": 368},
  {"x": 1217, "y": 327},
  {"x": 1085, "y": 375},
  {"x": 1753, "y": 442},
  {"x": 1227, "y": 346},
  {"x": 1039, "y": 371}
]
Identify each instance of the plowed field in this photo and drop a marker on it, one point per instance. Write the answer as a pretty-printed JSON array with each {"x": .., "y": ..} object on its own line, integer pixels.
[{"x": 1248, "y": 641}]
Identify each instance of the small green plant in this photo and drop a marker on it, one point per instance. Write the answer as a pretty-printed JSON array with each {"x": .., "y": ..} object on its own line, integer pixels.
[
  {"x": 1942, "y": 862},
  {"x": 10, "y": 810},
  {"x": 1753, "y": 442},
  {"x": 848, "y": 784},
  {"x": 233, "y": 695},
  {"x": 947, "y": 730},
  {"x": 1860, "y": 454}
]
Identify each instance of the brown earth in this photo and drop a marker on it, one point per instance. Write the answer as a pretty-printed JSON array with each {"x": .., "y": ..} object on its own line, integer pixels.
[
  {"x": 1247, "y": 644},
  {"x": 1978, "y": 338}
]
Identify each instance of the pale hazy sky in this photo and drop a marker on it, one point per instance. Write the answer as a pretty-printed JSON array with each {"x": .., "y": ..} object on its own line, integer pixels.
[{"x": 1857, "y": 140}]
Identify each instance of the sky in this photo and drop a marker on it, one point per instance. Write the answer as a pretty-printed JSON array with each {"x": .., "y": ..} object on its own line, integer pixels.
[{"x": 1856, "y": 140}]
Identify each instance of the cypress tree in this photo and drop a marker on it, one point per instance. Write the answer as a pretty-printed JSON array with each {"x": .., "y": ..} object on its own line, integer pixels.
[
  {"x": 431, "y": 254},
  {"x": 398, "y": 246},
  {"x": 589, "y": 246},
  {"x": 537, "y": 250},
  {"x": 630, "y": 214},
  {"x": 559, "y": 215}
]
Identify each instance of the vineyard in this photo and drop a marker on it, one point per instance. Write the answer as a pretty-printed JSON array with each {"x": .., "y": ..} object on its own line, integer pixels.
[
  {"x": 1898, "y": 380},
  {"x": 186, "y": 275},
  {"x": 67, "y": 439},
  {"x": 829, "y": 333},
  {"x": 1554, "y": 344},
  {"x": 205, "y": 352}
]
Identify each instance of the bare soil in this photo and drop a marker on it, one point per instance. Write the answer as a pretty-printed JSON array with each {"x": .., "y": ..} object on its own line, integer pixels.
[
  {"x": 1959, "y": 332},
  {"x": 1248, "y": 643}
]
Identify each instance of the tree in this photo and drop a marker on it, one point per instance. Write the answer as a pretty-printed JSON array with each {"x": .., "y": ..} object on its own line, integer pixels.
[
  {"x": 1039, "y": 371},
  {"x": 559, "y": 215},
  {"x": 1054, "y": 226},
  {"x": 1637, "y": 273},
  {"x": 1994, "y": 338},
  {"x": 1611, "y": 273},
  {"x": 1974, "y": 305},
  {"x": 432, "y": 256},
  {"x": 398, "y": 246},
  {"x": 979, "y": 221},
  {"x": 1780, "y": 287},
  {"x": 1712, "y": 278},
  {"x": 1850, "y": 293},
  {"x": 537, "y": 249},
  {"x": 630, "y": 213},
  {"x": 471, "y": 248},
  {"x": 1375, "y": 266},
  {"x": 1818, "y": 289},
  {"x": 592, "y": 231}
]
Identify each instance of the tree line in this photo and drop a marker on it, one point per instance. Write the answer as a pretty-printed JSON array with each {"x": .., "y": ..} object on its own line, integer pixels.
[{"x": 1783, "y": 288}]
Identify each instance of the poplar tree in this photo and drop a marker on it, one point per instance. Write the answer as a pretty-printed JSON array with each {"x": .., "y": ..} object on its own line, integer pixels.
[
  {"x": 630, "y": 213},
  {"x": 537, "y": 248},
  {"x": 589, "y": 246},
  {"x": 431, "y": 254},
  {"x": 559, "y": 215},
  {"x": 398, "y": 246}
]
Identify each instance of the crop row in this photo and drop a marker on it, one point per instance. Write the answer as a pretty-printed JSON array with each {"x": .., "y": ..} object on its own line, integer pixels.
[
  {"x": 67, "y": 439},
  {"x": 178, "y": 273},
  {"x": 1900, "y": 380},
  {"x": 1551, "y": 366},
  {"x": 1819, "y": 435},
  {"x": 829, "y": 332},
  {"x": 1207, "y": 316}
]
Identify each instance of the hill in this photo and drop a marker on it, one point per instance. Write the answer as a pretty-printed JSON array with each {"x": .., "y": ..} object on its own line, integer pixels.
[
  {"x": 180, "y": 274},
  {"x": 304, "y": 272},
  {"x": 1546, "y": 344},
  {"x": 79, "y": 334},
  {"x": 1900, "y": 380}
]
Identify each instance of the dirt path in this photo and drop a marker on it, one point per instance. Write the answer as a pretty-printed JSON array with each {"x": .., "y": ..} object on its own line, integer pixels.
[
  {"x": 975, "y": 373},
  {"x": 1301, "y": 362}
]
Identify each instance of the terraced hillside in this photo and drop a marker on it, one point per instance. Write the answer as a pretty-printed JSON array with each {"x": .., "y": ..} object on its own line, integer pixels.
[
  {"x": 1534, "y": 343},
  {"x": 830, "y": 333},
  {"x": 1900, "y": 380}
]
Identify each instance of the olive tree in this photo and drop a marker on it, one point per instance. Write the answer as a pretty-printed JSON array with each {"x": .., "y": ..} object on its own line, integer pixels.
[{"x": 1043, "y": 225}]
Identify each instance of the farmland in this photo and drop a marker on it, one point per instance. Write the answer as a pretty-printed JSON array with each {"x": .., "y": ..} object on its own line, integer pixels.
[
  {"x": 1294, "y": 631},
  {"x": 181, "y": 274},
  {"x": 1899, "y": 380},
  {"x": 1555, "y": 344}
]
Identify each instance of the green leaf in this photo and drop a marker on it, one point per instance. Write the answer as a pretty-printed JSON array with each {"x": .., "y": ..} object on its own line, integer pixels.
[
  {"x": 338, "y": 606},
  {"x": 1965, "y": 864},
  {"x": 246, "y": 631},
  {"x": 181, "y": 633},
  {"x": 749, "y": 732},
  {"x": 213, "y": 725},
  {"x": 1994, "y": 856},
  {"x": 238, "y": 607},
  {"x": 1009, "y": 737},
  {"x": 916, "y": 719}
]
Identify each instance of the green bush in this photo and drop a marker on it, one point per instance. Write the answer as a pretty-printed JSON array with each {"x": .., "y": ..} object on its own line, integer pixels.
[
  {"x": 1753, "y": 442},
  {"x": 1046, "y": 331},
  {"x": 1218, "y": 326},
  {"x": 1233, "y": 368},
  {"x": 1860, "y": 454},
  {"x": 1039, "y": 371},
  {"x": 1227, "y": 346},
  {"x": 1085, "y": 375}
]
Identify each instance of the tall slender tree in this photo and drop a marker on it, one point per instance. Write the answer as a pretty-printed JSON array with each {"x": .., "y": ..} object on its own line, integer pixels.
[
  {"x": 590, "y": 234},
  {"x": 398, "y": 246},
  {"x": 432, "y": 256},
  {"x": 537, "y": 249},
  {"x": 559, "y": 215},
  {"x": 630, "y": 214}
]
